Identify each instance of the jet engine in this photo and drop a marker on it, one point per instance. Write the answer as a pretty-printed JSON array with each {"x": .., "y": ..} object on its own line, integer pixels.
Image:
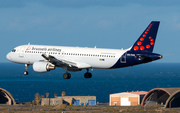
[{"x": 43, "y": 67}]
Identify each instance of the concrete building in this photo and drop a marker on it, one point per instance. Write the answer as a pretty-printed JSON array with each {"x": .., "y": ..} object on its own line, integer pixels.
[
  {"x": 127, "y": 98},
  {"x": 70, "y": 100},
  {"x": 169, "y": 97}
]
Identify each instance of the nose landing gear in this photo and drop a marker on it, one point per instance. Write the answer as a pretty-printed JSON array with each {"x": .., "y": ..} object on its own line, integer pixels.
[{"x": 26, "y": 67}]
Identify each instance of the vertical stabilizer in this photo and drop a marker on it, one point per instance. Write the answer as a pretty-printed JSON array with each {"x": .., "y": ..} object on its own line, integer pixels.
[{"x": 146, "y": 41}]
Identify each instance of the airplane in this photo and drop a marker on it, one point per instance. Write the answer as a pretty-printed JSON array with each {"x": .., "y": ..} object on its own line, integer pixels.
[{"x": 44, "y": 58}]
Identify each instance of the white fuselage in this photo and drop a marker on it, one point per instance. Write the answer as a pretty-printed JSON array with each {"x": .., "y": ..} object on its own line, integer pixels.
[
  {"x": 97, "y": 58},
  {"x": 45, "y": 58}
]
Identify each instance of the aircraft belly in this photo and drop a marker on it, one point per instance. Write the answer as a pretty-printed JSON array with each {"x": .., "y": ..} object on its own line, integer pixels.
[
  {"x": 99, "y": 63},
  {"x": 104, "y": 64}
]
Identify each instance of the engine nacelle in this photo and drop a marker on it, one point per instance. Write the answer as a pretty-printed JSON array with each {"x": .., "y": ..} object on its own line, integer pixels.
[{"x": 43, "y": 67}]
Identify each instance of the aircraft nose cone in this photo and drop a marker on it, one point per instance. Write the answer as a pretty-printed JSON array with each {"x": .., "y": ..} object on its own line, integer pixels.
[{"x": 8, "y": 56}]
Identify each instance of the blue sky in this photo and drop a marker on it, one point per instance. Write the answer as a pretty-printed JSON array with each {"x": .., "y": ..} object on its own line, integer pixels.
[{"x": 87, "y": 23}]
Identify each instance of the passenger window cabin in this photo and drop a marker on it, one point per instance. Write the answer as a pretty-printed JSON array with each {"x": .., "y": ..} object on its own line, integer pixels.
[{"x": 70, "y": 54}]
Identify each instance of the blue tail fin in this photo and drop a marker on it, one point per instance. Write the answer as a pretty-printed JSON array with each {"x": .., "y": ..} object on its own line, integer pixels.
[{"x": 146, "y": 41}]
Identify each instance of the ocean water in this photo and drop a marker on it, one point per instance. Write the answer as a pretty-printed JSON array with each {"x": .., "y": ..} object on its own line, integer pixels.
[{"x": 103, "y": 82}]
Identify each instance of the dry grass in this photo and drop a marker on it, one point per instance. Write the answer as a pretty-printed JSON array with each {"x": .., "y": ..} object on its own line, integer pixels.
[
  {"x": 138, "y": 109},
  {"x": 90, "y": 109},
  {"x": 62, "y": 106}
]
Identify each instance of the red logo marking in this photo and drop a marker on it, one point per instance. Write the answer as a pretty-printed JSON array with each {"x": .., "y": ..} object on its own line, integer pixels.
[
  {"x": 144, "y": 35},
  {"x": 28, "y": 48},
  {"x": 148, "y": 46},
  {"x": 146, "y": 32},
  {"x": 139, "y": 43},
  {"x": 151, "y": 39},
  {"x": 152, "y": 43},
  {"x": 142, "y": 47},
  {"x": 141, "y": 39},
  {"x": 136, "y": 48},
  {"x": 147, "y": 29}
]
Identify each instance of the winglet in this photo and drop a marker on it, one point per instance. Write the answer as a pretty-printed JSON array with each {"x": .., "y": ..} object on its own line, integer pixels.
[{"x": 146, "y": 41}]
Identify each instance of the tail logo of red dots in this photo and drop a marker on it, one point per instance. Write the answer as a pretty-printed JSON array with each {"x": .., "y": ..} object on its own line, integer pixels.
[{"x": 140, "y": 42}]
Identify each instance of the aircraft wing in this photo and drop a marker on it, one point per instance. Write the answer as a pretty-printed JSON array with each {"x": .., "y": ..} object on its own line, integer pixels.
[{"x": 63, "y": 62}]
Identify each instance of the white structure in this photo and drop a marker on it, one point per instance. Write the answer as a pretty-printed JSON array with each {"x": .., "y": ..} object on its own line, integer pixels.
[{"x": 127, "y": 98}]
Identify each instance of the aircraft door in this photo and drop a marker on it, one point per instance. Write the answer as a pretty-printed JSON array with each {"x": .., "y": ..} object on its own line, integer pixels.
[
  {"x": 123, "y": 58},
  {"x": 21, "y": 52}
]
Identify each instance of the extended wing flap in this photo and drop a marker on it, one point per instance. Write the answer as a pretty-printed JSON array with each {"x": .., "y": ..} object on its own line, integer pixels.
[{"x": 64, "y": 62}]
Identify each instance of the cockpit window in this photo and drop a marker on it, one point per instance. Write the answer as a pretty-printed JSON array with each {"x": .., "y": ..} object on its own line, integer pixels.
[{"x": 14, "y": 50}]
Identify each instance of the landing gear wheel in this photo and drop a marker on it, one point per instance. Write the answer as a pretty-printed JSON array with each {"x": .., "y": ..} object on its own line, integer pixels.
[
  {"x": 90, "y": 75},
  {"x": 25, "y": 72},
  {"x": 69, "y": 76},
  {"x": 66, "y": 75},
  {"x": 87, "y": 75}
]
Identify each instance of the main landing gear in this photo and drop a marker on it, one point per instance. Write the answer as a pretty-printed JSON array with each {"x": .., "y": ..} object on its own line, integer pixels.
[
  {"x": 68, "y": 75},
  {"x": 87, "y": 74},
  {"x": 26, "y": 72}
]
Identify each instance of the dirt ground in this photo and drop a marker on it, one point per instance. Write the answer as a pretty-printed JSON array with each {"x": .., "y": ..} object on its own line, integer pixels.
[{"x": 101, "y": 108}]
